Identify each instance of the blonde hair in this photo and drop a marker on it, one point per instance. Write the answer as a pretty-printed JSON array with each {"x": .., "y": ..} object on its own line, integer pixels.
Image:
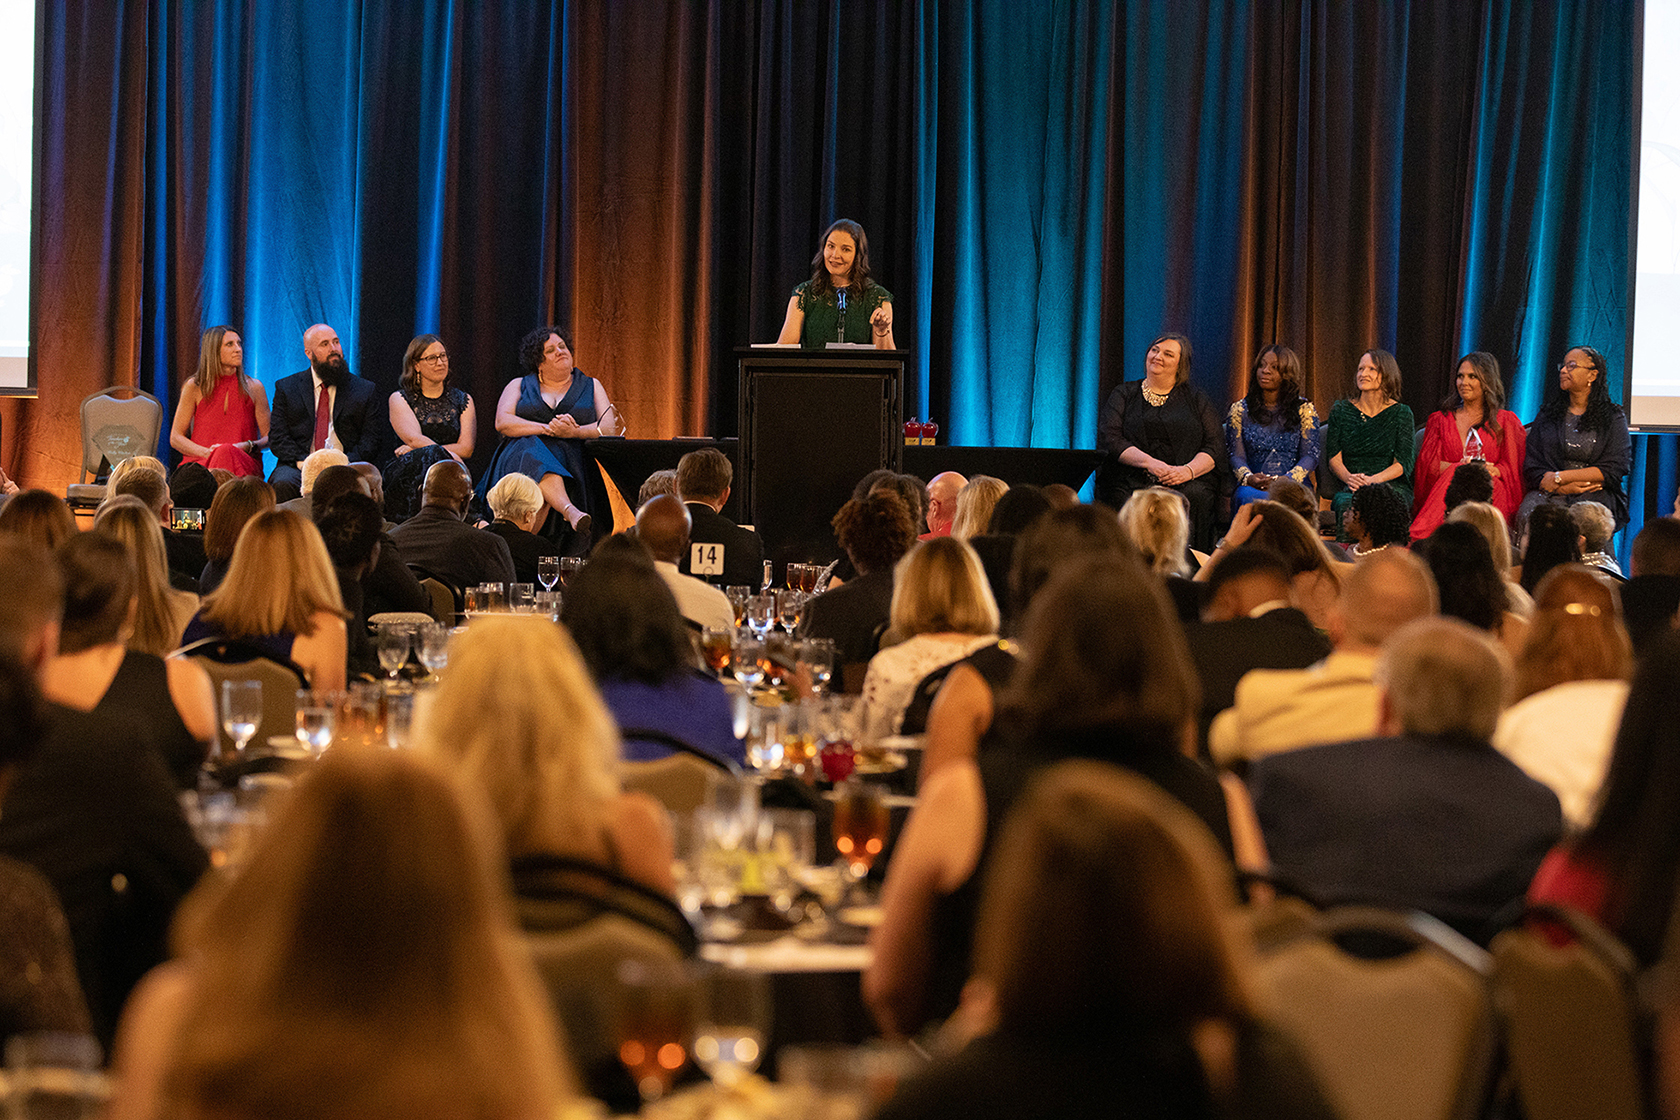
[
  {"x": 280, "y": 577},
  {"x": 1490, "y": 523},
  {"x": 157, "y": 621},
  {"x": 1157, "y": 521},
  {"x": 975, "y": 503},
  {"x": 518, "y": 716},
  {"x": 364, "y": 963},
  {"x": 515, "y": 497},
  {"x": 134, "y": 463},
  {"x": 317, "y": 461},
  {"x": 939, "y": 587}
]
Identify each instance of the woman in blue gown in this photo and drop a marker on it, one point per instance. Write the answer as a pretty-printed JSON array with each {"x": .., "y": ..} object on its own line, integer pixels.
[
  {"x": 543, "y": 418},
  {"x": 1273, "y": 432}
]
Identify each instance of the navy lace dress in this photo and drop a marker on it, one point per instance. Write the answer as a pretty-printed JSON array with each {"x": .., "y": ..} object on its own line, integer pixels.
[{"x": 440, "y": 421}]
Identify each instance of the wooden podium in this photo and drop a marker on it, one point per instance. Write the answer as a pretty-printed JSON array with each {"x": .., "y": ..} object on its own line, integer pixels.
[{"x": 813, "y": 422}]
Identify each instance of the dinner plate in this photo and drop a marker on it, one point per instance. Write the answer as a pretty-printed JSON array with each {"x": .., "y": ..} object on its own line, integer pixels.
[
  {"x": 890, "y": 763},
  {"x": 868, "y": 917}
]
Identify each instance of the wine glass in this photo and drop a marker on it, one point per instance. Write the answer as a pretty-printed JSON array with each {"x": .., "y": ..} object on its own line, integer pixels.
[
  {"x": 738, "y": 597},
  {"x": 817, "y": 654},
  {"x": 242, "y": 709},
  {"x": 315, "y": 720},
  {"x": 789, "y": 605},
  {"x": 569, "y": 566},
  {"x": 859, "y": 826},
  {"x": 734, "y": 1017},
  {"x": 431, "y": 642},
  {"x": 715, "y": 643},
  {"x": 393, "y": 646},
  {"x": 748, "y": 659},
  {"x": 761, "y": 614},
  {"x": 548, "y": 571},
  {"x": 655, "y": 1022}
]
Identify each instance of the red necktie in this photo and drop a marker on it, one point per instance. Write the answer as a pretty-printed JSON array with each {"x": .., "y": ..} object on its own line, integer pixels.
[{"x": 323, "y": 419}]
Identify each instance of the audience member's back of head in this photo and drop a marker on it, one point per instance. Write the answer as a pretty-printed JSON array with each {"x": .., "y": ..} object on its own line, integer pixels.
[
  {"x": 1595, "y": 523},
  {"x": 1061, "y": 496},
  {"x": 1249, "y": 563},
  {"x": 1443, "y": 677},
  {"x": 447, "y": 484},
  {"x": 1387, "y": 516},
  {"x": 1157, "y": 521},
  {"x": 624, "y": 618},
  {"x": 704, "y": 475},
  {"x": 657, "y": 483},
  {"x": 1380, "y": 595},
  {"x": 192, "y": 486},
  {"x": 975, "y": 503},
  {"x": 1286, "y": 492},
  {"x": 279, "y": 579},
  {"x": 1470, "y": 482},
  {"x": 1551, "y": 539},
  {"x": 331, "y": 484},
  {"x": 1281, "y": 530},
  {"x": 519, "y": 717},
  {"x": 1656, "y": 549},
  {"x": 662, "y": 525},
  {"x": 1576, "y": 633},
  {"x": 1106, "y": 911},
  {"x": 939, "y": 587},
  {"x": 911, "y": 490},
  {"x": 234, "y": 504},
  {"x": 1490, "y": 523},
  {"x": 98, "y": 590},
  {"x": 515, "y": 497},
  {"x": 875, "y": 530},
  {"x": 148, "y": 486},
  {"x": 20, "y": 713},
  {"x": 364, "y": 962},
  {"x": 1471, "y": 588},
  {"x": 316, "y": 462},
  {"x": 1104, "y": 648},
  {"x": 350, "y": 526},
  {"x": 133, "y": 463},
  {"x": 33, "y": 604},
  {"x": 1062, "y": 537},
  {"x": 1015, "y": 510},
  {"x": 868, "y": 481},
  {"x": 157, "y": 625},
  {"x": 39, "y": 517}
]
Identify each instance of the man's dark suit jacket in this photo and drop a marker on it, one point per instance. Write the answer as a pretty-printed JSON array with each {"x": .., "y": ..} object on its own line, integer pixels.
[
  {"x": 1448, "y": 826},
  {"x": 359, "y": 417},
  {"x": 743, "y": 551},
  {"x": 1223, "y": 651},
  {"x": 853, "y": 614},
  {"x": 1648, "y": 605},
  {"x": 447, "y": 547}
]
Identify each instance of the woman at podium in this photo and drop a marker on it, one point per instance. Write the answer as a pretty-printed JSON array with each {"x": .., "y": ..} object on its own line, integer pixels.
[{"x": 840, "y": 303}]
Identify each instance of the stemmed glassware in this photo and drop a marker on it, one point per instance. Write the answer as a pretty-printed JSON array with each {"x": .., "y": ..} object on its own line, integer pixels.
[
  {"x": 431, "y": 642},
  {"x": 748, "y": 659},
  {"x": 734, "y": 1018},
  {"x": 548, "y": 571},
  {"x": 715, "y": 643},
  {"x": 242, "y": 708},
  {"x": 569, "y": 566},
  {"x": 860, "y": 826},
  {"x": 789, "y": 605},
  {"x": 393, "y": 646},
  {"x": 316, "y": 718},
  {"x": 817, "y": 655},
  {"x": 738, "y": 598},
  {"x": 761, "y": 614},
  {"x": 655, "y": 1022}
]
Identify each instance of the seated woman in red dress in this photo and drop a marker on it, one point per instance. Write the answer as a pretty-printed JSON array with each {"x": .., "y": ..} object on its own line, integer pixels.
[
  {"x": 1472, "y": 423},
  {"x": 222, "y": 420}
]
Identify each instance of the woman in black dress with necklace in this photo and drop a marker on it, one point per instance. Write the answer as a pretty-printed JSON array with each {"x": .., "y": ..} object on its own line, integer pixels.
[
  {"x": 1163, "y": 431},
  {"x": 433, "y": 420}
]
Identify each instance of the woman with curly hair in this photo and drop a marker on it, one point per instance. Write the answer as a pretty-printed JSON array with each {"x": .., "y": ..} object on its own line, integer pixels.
[
  {"x": 874, "y": 531},
  {"x": 1579, "y": 446},
  {"x": 1273, "y": 432},
  {"x": 818, "y": 311},
  {"x": 543, "y": 418},
  {"x": 1378, "y": 519},
  {"x": 1471, "y": 588}
]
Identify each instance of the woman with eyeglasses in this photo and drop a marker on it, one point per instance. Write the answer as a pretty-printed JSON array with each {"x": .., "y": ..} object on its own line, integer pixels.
[
  {"x": 433, "y": 420},
  {"x": 1578, "y": 447}
]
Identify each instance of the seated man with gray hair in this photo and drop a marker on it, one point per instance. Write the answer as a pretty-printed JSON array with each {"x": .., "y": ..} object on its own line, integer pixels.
[
  {"x": 1427, "y": 817},
  {"x": 313, "y": 465}
]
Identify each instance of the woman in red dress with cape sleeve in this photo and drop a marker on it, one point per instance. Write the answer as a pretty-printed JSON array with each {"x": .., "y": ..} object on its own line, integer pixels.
[
  {"x": 222, "y": 420},
  {"x": 1471, "y": 424}
]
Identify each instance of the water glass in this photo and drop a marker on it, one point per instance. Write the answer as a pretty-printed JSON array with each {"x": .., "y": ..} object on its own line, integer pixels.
[
  {"x": 242, "y": 709},
  {"x": 317, "y": 718},
  {"x": 738, "y": 596},
  {"x": 399, "y": 718},
  {"x": 789, "y": 605},
  {"x": 492, "y": 597},
  {"x": 817, "y": 655},
  {"x": 394, "y": 640},
  {"x": 474, "y": 601},
  {"x": 548, "y": 571},
  {"x": 761, "y": 614},
  {"x": 431, "y": 643},
  {"x": 734, "y": 1018},
  {"x": 522, "y": 598},
  {"x": 748, "y": 659},
  {"x": 548, "y": 605}
]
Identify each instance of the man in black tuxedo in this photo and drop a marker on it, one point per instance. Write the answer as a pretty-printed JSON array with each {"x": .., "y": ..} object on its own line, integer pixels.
[
  {"x": 730, "y": 556},
  {"x": 1247, "y": 624},
  {"x": 357, "y": 418}
]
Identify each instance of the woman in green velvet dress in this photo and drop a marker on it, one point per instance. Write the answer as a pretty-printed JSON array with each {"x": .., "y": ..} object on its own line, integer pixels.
[
  {"x": 840, "y": 303},
  {"x": 1370, "y": 437}
]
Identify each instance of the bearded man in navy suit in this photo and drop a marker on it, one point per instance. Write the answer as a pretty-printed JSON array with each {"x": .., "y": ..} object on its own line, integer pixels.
[{"x": 355, "y": 420}]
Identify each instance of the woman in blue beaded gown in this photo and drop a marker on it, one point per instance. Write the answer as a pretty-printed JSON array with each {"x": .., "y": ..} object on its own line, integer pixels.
[
  {"x": 1273, "y": 432},
  {"x": 543, "y": 418},
  {"x": 434, "y": 421}
]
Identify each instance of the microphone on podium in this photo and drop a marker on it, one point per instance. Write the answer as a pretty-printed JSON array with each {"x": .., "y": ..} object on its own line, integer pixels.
[{"x": 840, "y": 329}]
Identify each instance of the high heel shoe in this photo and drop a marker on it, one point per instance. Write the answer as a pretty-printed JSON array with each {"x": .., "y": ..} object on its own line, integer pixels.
[{"x": 578, "y": 520}]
